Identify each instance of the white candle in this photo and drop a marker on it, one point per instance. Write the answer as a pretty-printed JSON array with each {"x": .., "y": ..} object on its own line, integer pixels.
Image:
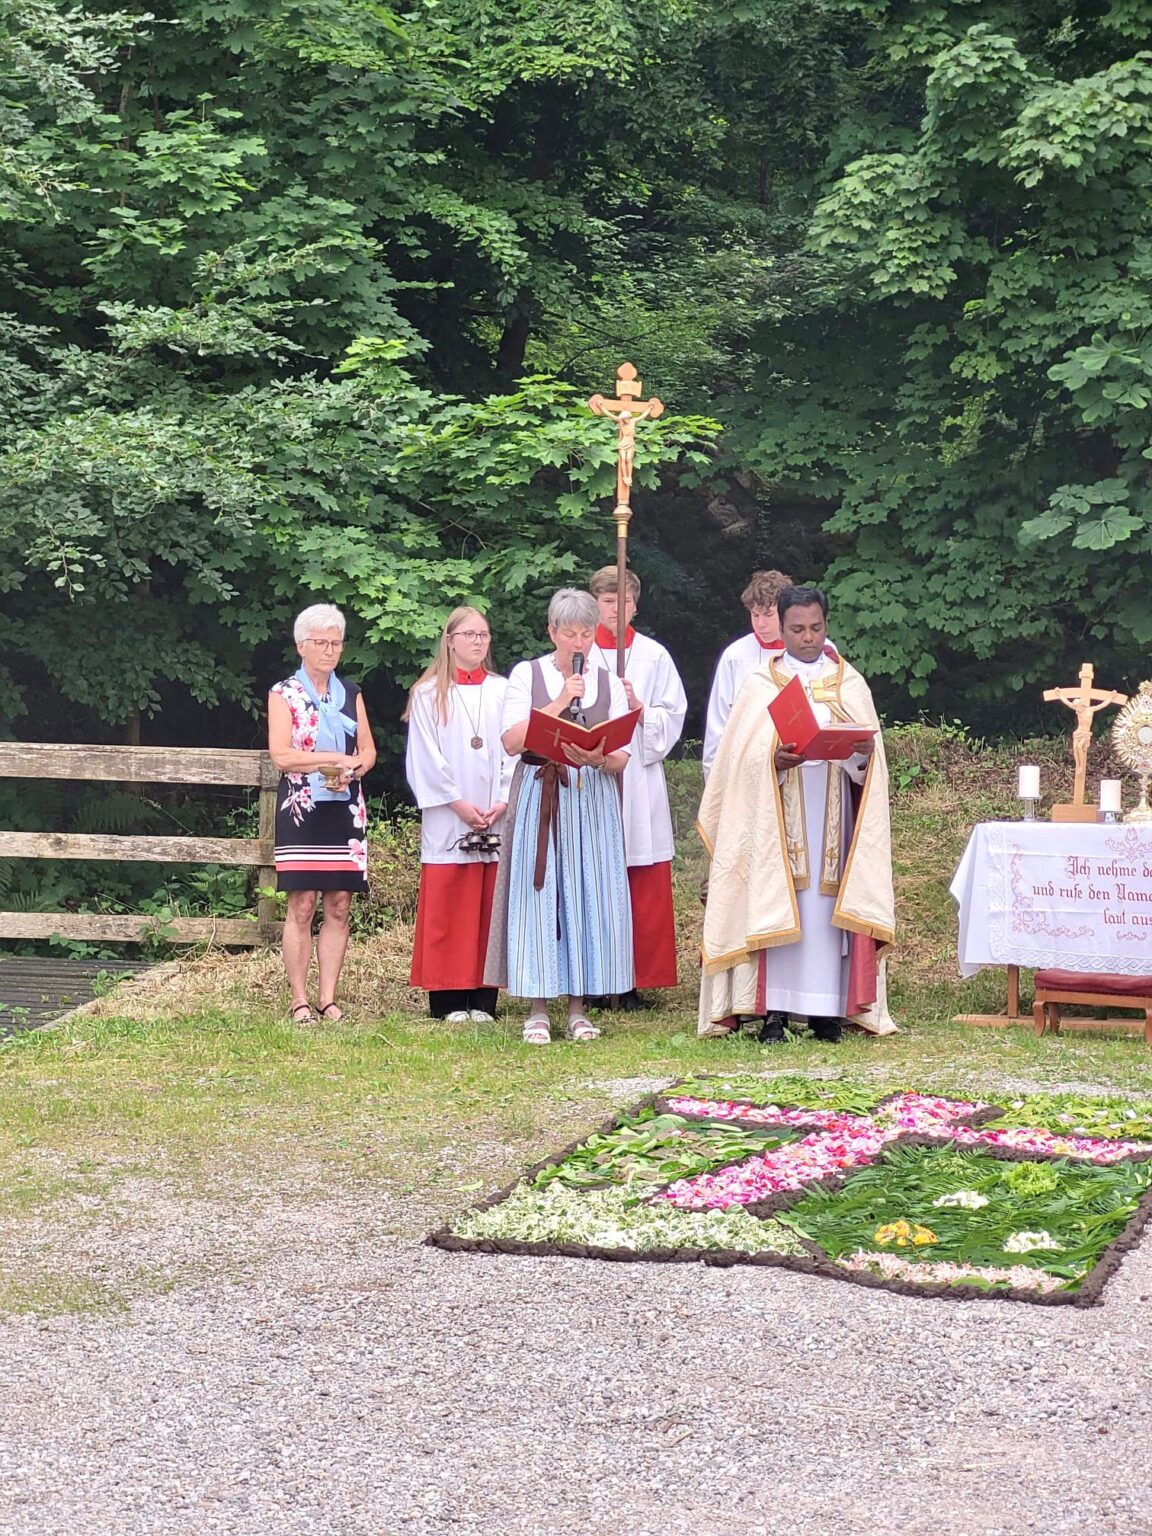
[
  {"x": 1029, "y": 782},
  {"x": 1110, "y": 794}
]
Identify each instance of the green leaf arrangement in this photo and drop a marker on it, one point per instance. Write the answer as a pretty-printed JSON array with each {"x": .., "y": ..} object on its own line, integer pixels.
[
  {"x": 1081, "y": 1207},
  {"x": 648, "y": 1149},
  {"x": 1071, "y": 1113},
  {"x": 613, "y": 1218},
  {"x": 793, "y": 1092}
]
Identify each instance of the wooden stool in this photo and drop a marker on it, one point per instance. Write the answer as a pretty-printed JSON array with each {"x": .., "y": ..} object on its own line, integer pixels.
[{"x": 1055, "y": 989}]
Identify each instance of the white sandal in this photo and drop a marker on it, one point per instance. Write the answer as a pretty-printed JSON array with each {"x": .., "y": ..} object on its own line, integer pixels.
[
  {"x": 537, "y": 1030},
  {"x": 581, "y": 1029}
]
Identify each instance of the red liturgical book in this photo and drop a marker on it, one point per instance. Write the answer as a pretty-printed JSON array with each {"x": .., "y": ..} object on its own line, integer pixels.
[
  {"x": 796, "y": 726},
  {"x": 547, "y": 733}
]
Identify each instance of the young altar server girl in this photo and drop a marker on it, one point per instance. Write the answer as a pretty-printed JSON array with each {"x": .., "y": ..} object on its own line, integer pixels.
[{"x": 460, "y": 775}]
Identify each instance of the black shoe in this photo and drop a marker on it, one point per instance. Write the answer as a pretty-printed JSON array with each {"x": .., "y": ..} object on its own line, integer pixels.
[
  {"x": 627, "y": 1002},
  {"x": 831, "y": 1031},
  {"x": 771, "y": 1032}
]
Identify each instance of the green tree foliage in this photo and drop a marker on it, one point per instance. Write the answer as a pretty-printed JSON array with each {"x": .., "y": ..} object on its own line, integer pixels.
[
  {"x": 304, "y": 301},
  {"x": 266, "y": 271},
  {"x": 964, "y": 371}
]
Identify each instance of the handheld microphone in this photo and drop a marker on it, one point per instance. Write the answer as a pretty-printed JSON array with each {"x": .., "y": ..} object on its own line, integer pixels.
[{"x": 574, "y": 710}]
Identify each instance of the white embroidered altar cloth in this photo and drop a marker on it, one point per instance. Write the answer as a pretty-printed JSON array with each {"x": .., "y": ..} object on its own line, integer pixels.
[{"x": 1066, "y": 895}]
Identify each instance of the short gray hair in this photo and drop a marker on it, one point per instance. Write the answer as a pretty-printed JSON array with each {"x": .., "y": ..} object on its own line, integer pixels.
[
  {"x": 570, "y": 607},
  {"x": 319, "y": 616}
]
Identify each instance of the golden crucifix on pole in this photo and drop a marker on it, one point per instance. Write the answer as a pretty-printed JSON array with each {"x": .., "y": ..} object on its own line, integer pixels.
[{"x": 625, "y": 410}]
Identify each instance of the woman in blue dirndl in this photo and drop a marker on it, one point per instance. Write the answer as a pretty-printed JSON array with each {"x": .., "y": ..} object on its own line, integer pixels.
[{"x": 562, "y": 919}]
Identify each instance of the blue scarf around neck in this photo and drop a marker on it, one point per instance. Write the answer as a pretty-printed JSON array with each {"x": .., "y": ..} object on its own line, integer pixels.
[{"x": 333, "y": 726}]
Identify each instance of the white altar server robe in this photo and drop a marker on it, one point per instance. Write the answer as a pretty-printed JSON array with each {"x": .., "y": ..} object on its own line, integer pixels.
[
  {"x": 736, "y": 662},
  {"x": 647, "y": 817},
  {"x": 441, "y": 764}
]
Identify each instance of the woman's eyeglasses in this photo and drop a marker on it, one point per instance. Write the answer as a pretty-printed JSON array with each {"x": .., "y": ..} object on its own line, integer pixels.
[
  {"x": 472, "y": 634},
  {"x": 325, "y": 645}
]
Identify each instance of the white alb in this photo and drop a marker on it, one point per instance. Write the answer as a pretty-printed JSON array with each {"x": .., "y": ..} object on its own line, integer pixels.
[{"x": 647, "y": 817}]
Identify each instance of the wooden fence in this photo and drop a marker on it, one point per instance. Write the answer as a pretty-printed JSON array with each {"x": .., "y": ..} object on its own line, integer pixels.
[{"x": 145, "y": 765}]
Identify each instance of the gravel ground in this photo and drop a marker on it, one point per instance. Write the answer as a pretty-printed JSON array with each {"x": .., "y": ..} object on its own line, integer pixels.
[{"x": 353, "y": 1383}]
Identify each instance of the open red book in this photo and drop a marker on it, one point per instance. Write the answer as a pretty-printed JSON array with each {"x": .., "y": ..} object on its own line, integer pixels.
[
  {"x": 797, "y": 728},
  {"x": 547, "y": 734}
]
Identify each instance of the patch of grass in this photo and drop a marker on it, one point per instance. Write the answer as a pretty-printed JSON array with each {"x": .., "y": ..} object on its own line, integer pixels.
[
  {"x": 30, "y": 1188},
  {"x": 109, "y": 1099},
  {"x": 58, "y": 1294},
  {"x": 201, "y": 1087},
  {"x": 236, "y": 1109}
]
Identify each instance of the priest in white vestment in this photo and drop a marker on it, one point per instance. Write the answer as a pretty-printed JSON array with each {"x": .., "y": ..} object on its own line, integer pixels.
[
  {"x": 653, "y": 685},
  {"x": 800, "y": 901}
]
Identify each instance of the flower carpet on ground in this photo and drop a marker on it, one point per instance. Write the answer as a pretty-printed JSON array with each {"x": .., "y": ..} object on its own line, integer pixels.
[{"x": 1033, "y": 1199}]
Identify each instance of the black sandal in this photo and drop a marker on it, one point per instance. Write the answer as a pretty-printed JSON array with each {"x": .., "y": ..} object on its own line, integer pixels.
[
  {"x": 324, "y": 1009},
  {"x": 301, "y": 1013}
]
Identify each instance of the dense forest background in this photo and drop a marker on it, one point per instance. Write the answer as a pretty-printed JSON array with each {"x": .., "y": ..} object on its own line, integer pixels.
[{"x": 304, "y": 301}]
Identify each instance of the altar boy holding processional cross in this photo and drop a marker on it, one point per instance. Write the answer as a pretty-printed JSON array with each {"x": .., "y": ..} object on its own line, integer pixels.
[{"x": 653, "y": 685}]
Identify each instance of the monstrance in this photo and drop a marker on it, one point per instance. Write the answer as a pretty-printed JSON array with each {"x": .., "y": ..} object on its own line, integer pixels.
[{"x": 1132, "y": 741}]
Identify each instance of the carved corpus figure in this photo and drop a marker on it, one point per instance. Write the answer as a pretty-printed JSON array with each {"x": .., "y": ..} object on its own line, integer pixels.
[{"x": 1085, "y": 701}]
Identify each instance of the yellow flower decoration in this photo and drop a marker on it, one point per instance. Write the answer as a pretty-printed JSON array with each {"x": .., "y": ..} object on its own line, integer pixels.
[{"x": 904, "y": 1234}]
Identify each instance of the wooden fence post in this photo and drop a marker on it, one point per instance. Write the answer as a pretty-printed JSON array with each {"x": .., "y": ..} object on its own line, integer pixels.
[{"x": 266, "y": 909}]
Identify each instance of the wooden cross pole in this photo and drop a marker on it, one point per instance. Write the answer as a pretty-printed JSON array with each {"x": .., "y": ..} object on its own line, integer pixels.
[
  {"x": 1085, "y": 701},
  {"x": 625, "y": 410}
]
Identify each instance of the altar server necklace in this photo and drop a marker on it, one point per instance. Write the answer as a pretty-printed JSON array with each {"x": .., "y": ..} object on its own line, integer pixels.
[
  {"x": 477, "y": 740},
  {"x": 606, "y": 641},
  {"x": 627, "y": 656}
]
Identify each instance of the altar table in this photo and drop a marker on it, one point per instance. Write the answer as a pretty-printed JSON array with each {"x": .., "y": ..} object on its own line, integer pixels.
[{"x": 1069, "y": 896}]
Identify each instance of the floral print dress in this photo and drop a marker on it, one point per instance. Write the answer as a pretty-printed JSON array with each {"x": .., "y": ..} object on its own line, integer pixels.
[{"x": 320, "y": 845}]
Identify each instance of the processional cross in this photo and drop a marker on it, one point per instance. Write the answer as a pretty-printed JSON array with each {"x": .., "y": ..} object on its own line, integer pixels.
[
  {"x": 1085, "y": 701},
  {"x": 625, "y": 410}
]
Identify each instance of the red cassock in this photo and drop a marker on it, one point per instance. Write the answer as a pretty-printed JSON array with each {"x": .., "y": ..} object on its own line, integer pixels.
[
  {"x": 452, "y": 918},
  {"x": 653, "y": 925},
  {"x": 863, "y": 969},
  {"x": 647, "y": 817}
]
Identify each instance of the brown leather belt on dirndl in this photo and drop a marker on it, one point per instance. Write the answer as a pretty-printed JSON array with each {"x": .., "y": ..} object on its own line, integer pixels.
[{"x": 553, "y": 777}]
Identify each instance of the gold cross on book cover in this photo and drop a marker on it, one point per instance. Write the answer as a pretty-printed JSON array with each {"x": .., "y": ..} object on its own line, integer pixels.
[{"x": 797, "y": 727}]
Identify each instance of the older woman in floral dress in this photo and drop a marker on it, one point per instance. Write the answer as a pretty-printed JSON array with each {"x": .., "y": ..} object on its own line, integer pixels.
[{"x": 320, "y": 740}]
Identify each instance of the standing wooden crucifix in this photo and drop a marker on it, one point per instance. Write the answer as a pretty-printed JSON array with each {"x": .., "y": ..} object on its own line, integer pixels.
[
  {"x": 625, "y": 410},
  {"x": 1085, "y": 701}
]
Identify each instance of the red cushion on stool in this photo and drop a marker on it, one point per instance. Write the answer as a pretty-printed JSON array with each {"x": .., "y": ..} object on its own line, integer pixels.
[{"x": 1084, "y": 981}]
